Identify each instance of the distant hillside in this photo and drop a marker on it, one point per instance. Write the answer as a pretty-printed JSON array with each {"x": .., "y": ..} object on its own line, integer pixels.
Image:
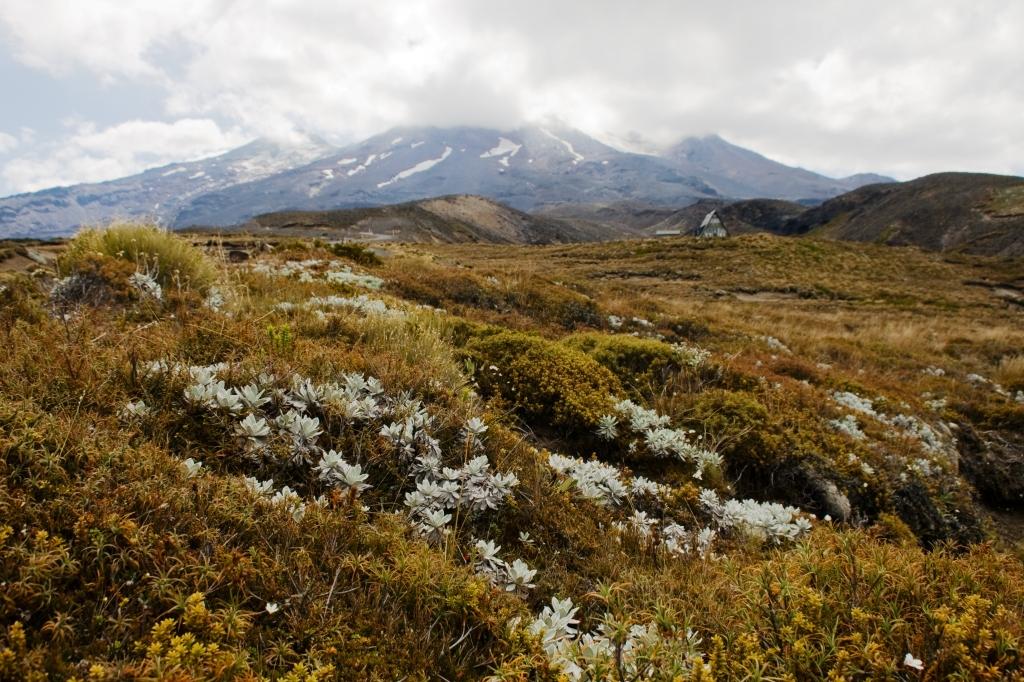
[
  {"x": 449, "y": 219},
  {"x": 741, "y": 173},
  {"x": 739, "y": 217},
  {"x": 969, "y": 212}
]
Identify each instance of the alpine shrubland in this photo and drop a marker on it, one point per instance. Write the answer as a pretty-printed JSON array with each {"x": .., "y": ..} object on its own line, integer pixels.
[{"x": 750, "y": 459}]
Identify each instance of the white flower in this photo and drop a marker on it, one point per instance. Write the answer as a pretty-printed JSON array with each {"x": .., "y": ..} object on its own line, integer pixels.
[
  {"x": 475, "y": 427},
  {"x": 339, "y": 473},
  {"x": 487, "y": 551},
  {"x": 643, "y": 486},
  {"x": 704, "y": 539},
  {"x": 306, "y": 429},
  {"x": 146, "y": 285},
  {"x": 606, "y": 427},
  {"x": 594, "y": 480},
  {"x": 136, "y": 410},
  {"x": 253, "y": 427},
  {"x": 709, "y": 498},
  {"x": 519, "y": 576},
  {"x": 290, "y": 500},
  {"x": 271, "y": 607},
  {"x": 192, "y": 467},
  {"x": 433, "y": 524},
  {"x": 911, "y": 662},
  {"x": 252, "y": 396},
  {"x": 555, "y": 622},
  {"x": 640, "y": 523},
  {"x": 304, "y": 394},
  {"x": 226, "y": 398},
  {"x": 199, "y": 394},
  {"x": 257, "y": 487}
]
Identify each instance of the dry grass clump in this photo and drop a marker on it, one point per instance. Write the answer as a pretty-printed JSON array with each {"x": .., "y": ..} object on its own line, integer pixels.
[
  {"x": 168, "y": 258},
  {"x": 1010, "y": 372}
]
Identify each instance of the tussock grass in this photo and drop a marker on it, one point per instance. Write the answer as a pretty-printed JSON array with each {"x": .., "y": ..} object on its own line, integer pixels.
[
  {"x": 170, "y": 259},
  {"x": 1011, "y": 372}
]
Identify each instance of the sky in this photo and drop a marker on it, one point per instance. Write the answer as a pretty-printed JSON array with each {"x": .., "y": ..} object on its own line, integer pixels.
[{"x": 99, "y": 89}]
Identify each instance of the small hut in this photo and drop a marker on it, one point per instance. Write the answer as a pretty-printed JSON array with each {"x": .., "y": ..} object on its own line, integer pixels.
[{"x": 712, "y": 226}]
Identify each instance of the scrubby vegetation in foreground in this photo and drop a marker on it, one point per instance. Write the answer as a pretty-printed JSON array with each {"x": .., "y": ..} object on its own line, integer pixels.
[{"x": 306, "y": 467}]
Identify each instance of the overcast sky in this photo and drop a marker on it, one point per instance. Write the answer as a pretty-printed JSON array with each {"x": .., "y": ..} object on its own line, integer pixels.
[{"x": 98, "y": 89}]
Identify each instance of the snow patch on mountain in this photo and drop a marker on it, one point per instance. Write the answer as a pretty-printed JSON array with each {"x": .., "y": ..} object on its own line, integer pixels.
[
  {"x": 576, "y": 156},
  {"x": 347, "y": 162},
  {"x": 363, "y": 166},
  {"x": 505, "y": 147},
  {"x": 418, "y": 168}
]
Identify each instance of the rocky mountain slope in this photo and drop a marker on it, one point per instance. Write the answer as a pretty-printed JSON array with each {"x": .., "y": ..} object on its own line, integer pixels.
[
  {"x": 970, "y": 212},
  {"x": 525, "y": 168},
  {"x": 157, "y": 193}
]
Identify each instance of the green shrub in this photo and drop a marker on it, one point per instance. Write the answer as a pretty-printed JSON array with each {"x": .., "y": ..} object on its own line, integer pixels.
[
  {"x": 356, "y": 253},
  {"x": 554, "y": 304},
  {"x": 642, "y": 365},
  {"x": 548, "y": 383},
  {"x": 19, "y": 300},
  {"x": 172, "y": 261}
]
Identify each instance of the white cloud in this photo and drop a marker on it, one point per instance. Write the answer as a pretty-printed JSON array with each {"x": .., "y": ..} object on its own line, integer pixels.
[
  {"x": 7, "y": 142},
  {"x": 905, "y": 88},
  {"x": 91, "y": 155}
]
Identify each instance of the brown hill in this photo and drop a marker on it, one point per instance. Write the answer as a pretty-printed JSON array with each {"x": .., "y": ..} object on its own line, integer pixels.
[
  {"x": 966, "y": 212},
  {"x": 739, "y": 217},
  {"x": 448, "y": 219}
]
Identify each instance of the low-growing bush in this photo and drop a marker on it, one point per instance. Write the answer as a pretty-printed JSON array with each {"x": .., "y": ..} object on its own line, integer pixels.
[
  {"x": 357, "y": 253},
  {"x": 19, "y": 300},
  {"x": 642, "y": 365},
  {"x": 548, "y": 384},
  {"x": 168, "y": 258},
  {"x": 556, "y": 305}
]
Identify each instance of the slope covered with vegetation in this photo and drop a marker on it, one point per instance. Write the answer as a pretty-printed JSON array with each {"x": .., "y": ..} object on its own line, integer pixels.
[
  {"x": 756, "y": 458},
  {"x": 973, "y": 213}
]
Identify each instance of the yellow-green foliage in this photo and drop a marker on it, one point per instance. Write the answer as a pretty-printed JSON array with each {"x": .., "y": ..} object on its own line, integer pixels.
[
  {"x": 170, "y": 258},
  {"x": 548, "y": 383},
  {"x": 642, "y": 365},
  {"x": 843, "y": 606},
  {"x": 18, "y": 300}
]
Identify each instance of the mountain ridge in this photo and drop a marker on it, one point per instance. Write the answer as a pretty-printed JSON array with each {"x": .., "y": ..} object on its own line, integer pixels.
[{"x": 525, "y": 168}]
